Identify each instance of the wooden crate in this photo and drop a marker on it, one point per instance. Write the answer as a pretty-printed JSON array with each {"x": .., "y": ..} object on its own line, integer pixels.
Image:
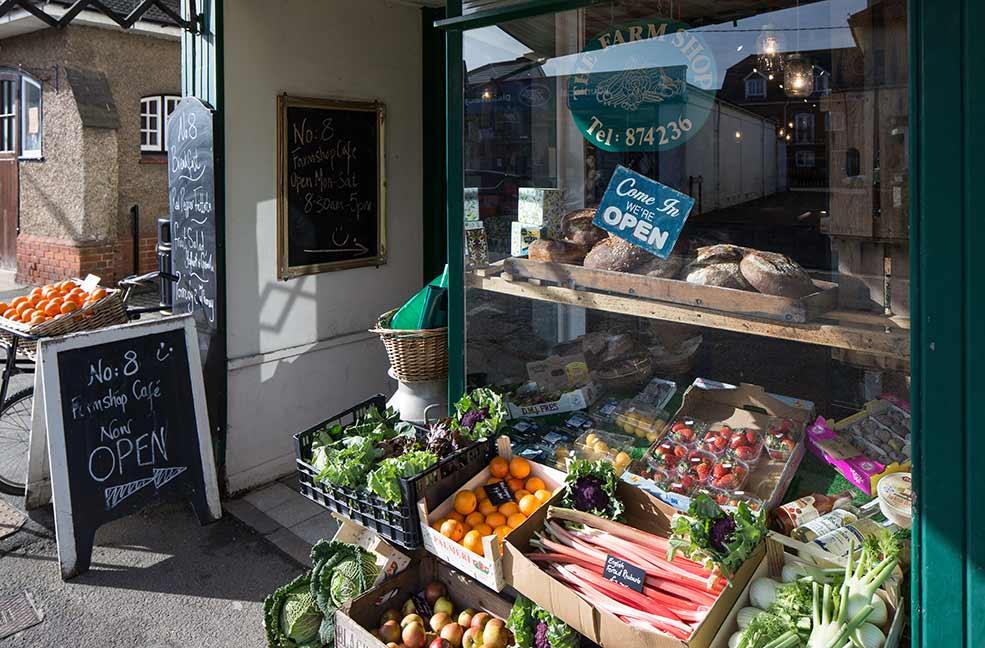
[{"x": 676, "y": 291}]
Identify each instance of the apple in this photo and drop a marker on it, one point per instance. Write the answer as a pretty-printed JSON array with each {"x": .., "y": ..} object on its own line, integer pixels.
[
  {"x": 411, "y": 618},
  {"x": 413, "y": 635},
  {"x": 453, "y": 633},
  {"x": 443, "y": 604},
  {"x": 480, "y": 620},
  {"x": 390, "y": 615},
  {"x": 468, "y": 638},
  {"x": 439, "y": 642},
  {"x": 434, "y": 591},
  {"x": 439, "y": 621},
  {"x": 393, "y": 645},
  {"x": 390, "y": 632},
  {"x": 465, "y": 617},
  {"x": 494, "y": 634},
  {"x": 409, "y": 607}
]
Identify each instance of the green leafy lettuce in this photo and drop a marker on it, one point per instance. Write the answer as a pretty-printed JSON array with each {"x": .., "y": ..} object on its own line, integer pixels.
[
  {"x": 291, "y": 618},
  {"x": 346, "y": 462},
  {"x": 534, "y": 627},
  {"x": 479, "y": 414},
  {"x": 591, "y": 487},
  {"x": 384, "y": 480},
  {"x": 715, "y": 537}
]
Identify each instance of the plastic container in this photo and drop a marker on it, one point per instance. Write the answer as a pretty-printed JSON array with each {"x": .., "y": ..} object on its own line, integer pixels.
[
  {"x": 671, "y": 482},
  {"x": 696, "y": 466},
  {"x": 399, "y": 523},
  {"x": 781, "y": 438},
  {"x": 686, "y": 430},
  {"x": 666, "y": 455},
  {"x": 731, "y": 499},
  {"x": 640, "y": 420},
  {"x": 658, "y": 393},
  {"x": 729, "y": 474},
  {"x": 895, "y": 493},
  {"x": 607, "y": 446}
]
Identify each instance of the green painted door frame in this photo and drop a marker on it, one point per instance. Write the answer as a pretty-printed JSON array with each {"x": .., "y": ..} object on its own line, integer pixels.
[{"x": 946, "y": 138}]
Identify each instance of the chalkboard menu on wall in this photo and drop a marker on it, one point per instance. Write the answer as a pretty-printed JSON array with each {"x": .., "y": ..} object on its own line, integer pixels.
[
  {"x": 331, "y": 207},
  {"x": 127, "y": 426}
]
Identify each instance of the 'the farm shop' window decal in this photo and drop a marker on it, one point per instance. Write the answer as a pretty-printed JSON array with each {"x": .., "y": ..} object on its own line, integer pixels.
[
  {"x": 642, "y": 87},
  {"x": 642, "y": 211}
]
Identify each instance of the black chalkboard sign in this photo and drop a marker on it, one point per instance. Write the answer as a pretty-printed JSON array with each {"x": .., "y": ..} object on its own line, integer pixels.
[
  {"x": 331, "y": 207},
  {"x": 499, "y": 493},
  {"x": 192, "y": 209},
  {"x": 626, "y": 574},
  {"x": 124, "y": 408}
]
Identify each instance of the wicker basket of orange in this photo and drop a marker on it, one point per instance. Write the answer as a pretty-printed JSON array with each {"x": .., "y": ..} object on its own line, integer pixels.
[{"x": 61, "y": 308}]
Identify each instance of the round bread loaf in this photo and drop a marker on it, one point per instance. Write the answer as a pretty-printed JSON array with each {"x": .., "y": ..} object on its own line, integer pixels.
[
  {"x": 556, "y": 251},
  {"x": 616, "y": 254},
  {"x": 723, "y": 275},
  {"x": 721, "y": 253},
  {"x": 663, "y": 268},
  {"x": 577, "y": 228},
  {"x": 775, "y": 274}
]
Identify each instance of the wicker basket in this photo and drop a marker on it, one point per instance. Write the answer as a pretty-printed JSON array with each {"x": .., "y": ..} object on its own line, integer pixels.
[
  {"x": 415, "y": 355},
  {"x": 108, "y": 311}
]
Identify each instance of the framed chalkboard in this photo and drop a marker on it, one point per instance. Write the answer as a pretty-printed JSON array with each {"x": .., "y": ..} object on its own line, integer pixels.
[
  {"x": 331, "y": 185},
  {"x": 126, "y": 426}
]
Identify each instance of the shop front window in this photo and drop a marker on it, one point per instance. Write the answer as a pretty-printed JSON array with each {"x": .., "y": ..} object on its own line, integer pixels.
[
  {"x": 8, "y": 116},
  {"x": 32, "y": 116},
  {"x": 640, "y": 222}
]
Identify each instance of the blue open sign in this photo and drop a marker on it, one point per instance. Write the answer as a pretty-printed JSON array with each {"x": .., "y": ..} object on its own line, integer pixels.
[{"x": 644, "y": 212}]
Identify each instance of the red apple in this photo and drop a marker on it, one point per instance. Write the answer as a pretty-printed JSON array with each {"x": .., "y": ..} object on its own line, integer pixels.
[
  {"x": 480, "y": 620},
  {"x": 413, "y": 635},
  {"x": 468, "y": 638},
  {"x": 494, "y": 634},
  {"x": 453, "y": 633},
  {"x": 390, "y": 632},
  {"x": 439, "y": 621},
  {"x": 465, "y": 617},
  {"x": 434, "y": 591},
  {"x": 439, "y": 642}
]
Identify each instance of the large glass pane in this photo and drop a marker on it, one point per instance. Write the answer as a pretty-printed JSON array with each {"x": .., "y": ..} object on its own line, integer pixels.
[{"x": 784, "y": 126}]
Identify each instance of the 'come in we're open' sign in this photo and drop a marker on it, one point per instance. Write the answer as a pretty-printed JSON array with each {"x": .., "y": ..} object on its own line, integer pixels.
[{"x": 643, "y": 211}]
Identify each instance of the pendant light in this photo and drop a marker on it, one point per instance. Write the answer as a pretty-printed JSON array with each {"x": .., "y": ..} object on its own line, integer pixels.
[
  {"x": 768, "y": 51},
  {"x": 798, "y": 72}
]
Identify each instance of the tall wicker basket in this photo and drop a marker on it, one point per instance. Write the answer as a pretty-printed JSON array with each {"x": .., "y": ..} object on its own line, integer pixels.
[{"x": 415, "y": 355}]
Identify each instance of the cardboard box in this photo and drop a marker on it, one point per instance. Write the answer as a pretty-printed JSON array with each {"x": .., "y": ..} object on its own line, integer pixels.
[
  {"x": 576, "y": 399},
  {"x": 470, "y": 200},
  {"x": 354, "y": 621},
  {"x": 521, "y": 236},
  {"x": 740, "y": 406},
  {"x": 643, "y": 512},
  {"x": 488, "y": 568},
  {"x": 541, "y": 208},
  {"x": 388, "y": 560},
  {"x": 781, "y": 549},
  {"x": 557, "y": 373}
]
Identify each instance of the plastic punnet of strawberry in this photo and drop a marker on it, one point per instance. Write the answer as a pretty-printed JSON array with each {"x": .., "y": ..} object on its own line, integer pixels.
[
  {"x": 716, "y": 439},
  {"x": 686, "y": 430},
  {"x": 729, "y": 474},
  {"x": 697, "y": 466},
  {"x": 745, "y": 444},
  {"x": 667, "y": 454}
]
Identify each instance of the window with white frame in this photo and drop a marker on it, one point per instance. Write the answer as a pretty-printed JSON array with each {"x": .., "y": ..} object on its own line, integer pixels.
[
  {"x": 755, "y": 87},
  {"x": 31, "y": 117},
  {"x": 8, "y": 116},
  {"x": 154, "y": 114},
  {"x": 805, "y": 159},
  {"x": 804, "y": 128}
]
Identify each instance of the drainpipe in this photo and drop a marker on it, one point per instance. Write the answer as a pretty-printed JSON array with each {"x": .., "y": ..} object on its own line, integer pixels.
[{"x": 135, "y": 222}]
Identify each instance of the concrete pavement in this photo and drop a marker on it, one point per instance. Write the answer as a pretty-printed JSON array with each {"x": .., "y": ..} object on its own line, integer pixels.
[{"x": 158, "y": 580}]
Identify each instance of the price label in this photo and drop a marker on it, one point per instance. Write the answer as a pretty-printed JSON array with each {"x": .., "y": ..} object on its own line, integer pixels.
[
  {"x": 624, "y": 573},
  {"x": 499, "y": 493}
]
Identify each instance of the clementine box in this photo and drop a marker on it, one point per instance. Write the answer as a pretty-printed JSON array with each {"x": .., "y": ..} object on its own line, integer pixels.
[{"x": 488, "y": 567}]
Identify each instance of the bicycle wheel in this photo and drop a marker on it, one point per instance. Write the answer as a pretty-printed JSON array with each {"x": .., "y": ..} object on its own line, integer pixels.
[{"x": 15, "y": 436}]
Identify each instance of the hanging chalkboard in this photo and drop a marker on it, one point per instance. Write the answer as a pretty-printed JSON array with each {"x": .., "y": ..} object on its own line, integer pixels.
[
  {"x": 192, "y": 208},
  {"x": 126, "y": 421},
  {"x": 331, "y": 185}
]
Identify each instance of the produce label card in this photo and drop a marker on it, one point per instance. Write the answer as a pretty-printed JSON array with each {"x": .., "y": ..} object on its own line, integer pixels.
[
  {"x": 499, "y": 493},
  {"x": 624, "y": 573},
  {"x": 644, "y": 212}
]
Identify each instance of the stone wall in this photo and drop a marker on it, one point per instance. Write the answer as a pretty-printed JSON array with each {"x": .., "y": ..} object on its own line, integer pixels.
[{"x": 75, "y": 203}]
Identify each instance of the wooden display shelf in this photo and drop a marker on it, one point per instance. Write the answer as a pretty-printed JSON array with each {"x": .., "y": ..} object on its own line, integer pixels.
[{"x": 851, "y": 330}]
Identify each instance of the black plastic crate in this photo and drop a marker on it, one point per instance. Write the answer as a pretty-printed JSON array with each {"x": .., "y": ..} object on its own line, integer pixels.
[{"x": 399, "y": 523}]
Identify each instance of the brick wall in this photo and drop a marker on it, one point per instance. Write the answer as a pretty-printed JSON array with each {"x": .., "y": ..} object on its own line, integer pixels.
[{"x": 42, "y": 259}]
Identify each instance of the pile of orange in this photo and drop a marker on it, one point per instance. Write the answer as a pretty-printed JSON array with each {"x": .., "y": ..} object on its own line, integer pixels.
[
  {"x": 475, "y": 516},
  {"x": 49, "y": 301}
]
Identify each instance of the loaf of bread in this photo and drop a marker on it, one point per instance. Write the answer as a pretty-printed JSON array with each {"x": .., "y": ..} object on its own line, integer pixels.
[
  {"x": 721, "y": 253},
  {"x": 616, "y": 254},
  {"x": 723, "y": 275},
  {"x": 663, "y": 268},
  {"x": 775, "y": 274},
  {"x": 556, "y": 251},
  {"x": 577, "y": 228}
]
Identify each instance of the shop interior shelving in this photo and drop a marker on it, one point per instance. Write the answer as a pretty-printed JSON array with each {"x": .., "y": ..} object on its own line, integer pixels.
[{"x": 857, "y": 331}]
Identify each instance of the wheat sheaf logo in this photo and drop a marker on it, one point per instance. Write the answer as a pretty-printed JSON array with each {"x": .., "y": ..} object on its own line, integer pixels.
[{"x": 631, "y": 89}]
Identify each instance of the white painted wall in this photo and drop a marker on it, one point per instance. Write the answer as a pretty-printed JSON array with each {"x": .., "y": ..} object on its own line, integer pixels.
[{"x": 298, "y": 351}]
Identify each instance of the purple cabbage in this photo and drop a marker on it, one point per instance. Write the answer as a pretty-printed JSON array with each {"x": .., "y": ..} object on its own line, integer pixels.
[
  {"x": 721, "y": 532},
  {"x": 589, "y": 494},
  {"x": 470, "y": 418},
  {"x": 540, "y": 636}
]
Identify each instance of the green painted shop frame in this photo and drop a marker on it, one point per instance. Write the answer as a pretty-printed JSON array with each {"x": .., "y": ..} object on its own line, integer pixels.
[{"x": 946, "y": 145}]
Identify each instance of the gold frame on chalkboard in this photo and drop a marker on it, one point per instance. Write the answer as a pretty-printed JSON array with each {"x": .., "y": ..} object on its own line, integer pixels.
[{"x": 284, "y": 101}]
